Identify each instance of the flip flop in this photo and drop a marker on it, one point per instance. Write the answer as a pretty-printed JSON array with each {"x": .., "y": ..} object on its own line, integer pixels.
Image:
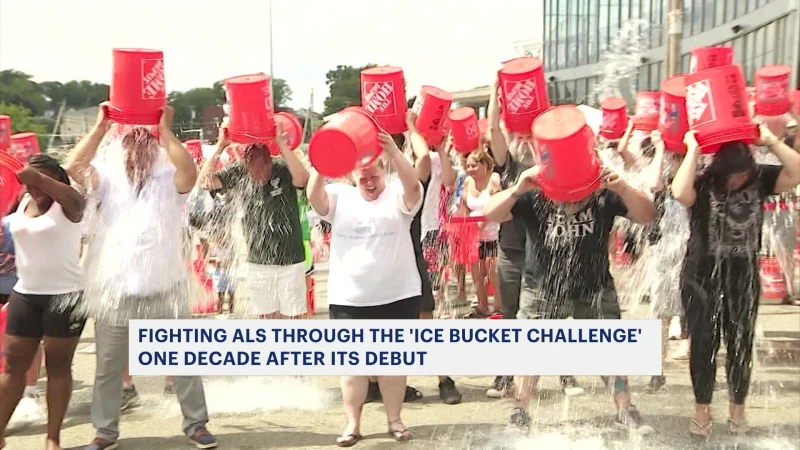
[
  {"x": 348, "y": 440},
  {"x": 402, "y": 435},
  {"x": 735, "y": 427},
  {"x": 699, "y": 430}
]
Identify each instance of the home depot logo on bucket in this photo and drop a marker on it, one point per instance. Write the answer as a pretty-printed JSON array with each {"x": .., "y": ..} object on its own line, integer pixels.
[
  {"x": 609, "y": 122},
  {"x": 773, "y": 90},
  {"x": 700, "y": 103},
  {"x": 154, "y": 85},
  {"x": 669, "y": 116},
  {"x": 22, "y": 150},
  {"x": 379, "y": 98},
  {"x": 646, "y": 107},
  {"x": 521, "y": 96}
]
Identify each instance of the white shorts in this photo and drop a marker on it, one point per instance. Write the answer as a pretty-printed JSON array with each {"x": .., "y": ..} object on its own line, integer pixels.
[{"x": 276, "y": 288}]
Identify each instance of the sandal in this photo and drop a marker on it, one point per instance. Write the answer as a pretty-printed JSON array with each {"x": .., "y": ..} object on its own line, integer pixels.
[
  {"x": 739, "y": 427},
  {"x": 699, "y": 430},
  {"x": 400, "y": 435},
  {"x": 348, "y": 440}
]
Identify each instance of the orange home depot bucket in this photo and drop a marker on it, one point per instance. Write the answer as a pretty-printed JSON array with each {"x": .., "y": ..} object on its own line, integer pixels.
[
  {"x": 615, "y": 118},
  {"x": 138, "y": 87},
  {"x": 431, "y": 106},
  {"x": 716, "y": 106},
  {"x": 772, "y": 90},
  {"x": 348, "y": 140},
  {"x": 673, "y": 122},
  {"x": 564, "y": 146},
  {"x": 773, "y": 285},
  {"x": 10, "y": 187},
  {"x": 465, "y": 129},
  {"x": 710, "y": 57},
  {"x": 5, "y": 132},
  {"x": 195, "y": 148},
  {"x": 647, "y": 110},
  {"x": 24, "y": 145},
  {"x": 293, "y": 130},
  {"x": 251, "y": 119},
  {"x": 523, "y": 93},
  {"x": 383, "y": 93}
]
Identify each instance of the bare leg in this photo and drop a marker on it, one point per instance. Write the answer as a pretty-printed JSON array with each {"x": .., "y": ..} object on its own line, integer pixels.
[
  {"x": 58, "y": 353},
  {"x": 461, "y": 281},
  {"x": 491, "y": 271},
  {"x": 393, "y": 392},
  {"x": 127, "y": 379},
  {"x": 20, "y": 352},
  {"x": 32, "y": 377},
  {"x": 479, "y": 280},
  {"x": 354, "y": 392}
]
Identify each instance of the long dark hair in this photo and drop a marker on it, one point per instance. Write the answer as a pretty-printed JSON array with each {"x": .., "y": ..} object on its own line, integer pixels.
[
  {"x": 732, "y": 158},
  {"x": 46, "y": 163}
]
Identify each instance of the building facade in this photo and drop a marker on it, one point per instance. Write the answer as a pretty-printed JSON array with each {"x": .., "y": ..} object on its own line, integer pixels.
[{"x": 596, "y": 48}]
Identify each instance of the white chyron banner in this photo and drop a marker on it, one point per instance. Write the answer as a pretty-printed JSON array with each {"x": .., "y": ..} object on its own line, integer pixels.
[{"x": 395, "y": 347}]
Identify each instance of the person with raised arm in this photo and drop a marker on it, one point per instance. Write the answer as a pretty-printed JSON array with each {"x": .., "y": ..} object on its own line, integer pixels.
[
  {"x": 720, "y": 286},
  {"x": 373, "y": 271},
  {"x": 264, "y": 191},
  {"x": 134, "y": 265},
  {"x": 575, "y": 235}
]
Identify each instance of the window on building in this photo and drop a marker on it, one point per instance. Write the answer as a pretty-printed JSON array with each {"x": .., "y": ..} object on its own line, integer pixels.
[
  {"x": 751, "y": 5},
  {"x": 709, "y": 7},
  {"x": 580, "y": 91},
  {"x": 603, "y": 25},
  {"x": 730, "y": 10},
  {"x": 719, "y": 12}
]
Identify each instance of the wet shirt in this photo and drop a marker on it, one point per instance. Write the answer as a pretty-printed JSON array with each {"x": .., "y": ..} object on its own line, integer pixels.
[
  {"x": 512, "y": 232},
  {"x": 567, "y": 254},
  {"x": 728, "y": 225},
  {"x": 271, "y": 216}
]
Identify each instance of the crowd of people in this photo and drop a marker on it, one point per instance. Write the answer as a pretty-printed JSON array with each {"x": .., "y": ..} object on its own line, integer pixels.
[{"x": 106, "y": 238}]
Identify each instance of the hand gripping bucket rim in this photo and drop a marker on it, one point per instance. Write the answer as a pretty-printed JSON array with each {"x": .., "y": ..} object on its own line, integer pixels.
[{"x": 347, "y": 160}]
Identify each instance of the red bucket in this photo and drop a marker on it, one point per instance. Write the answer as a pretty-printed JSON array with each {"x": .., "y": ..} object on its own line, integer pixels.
[
  {"x": 5, "y": 132},
  {"x": 383, "y": 93},
  {"x": 710, "y": 57},
  {"x": 615, "y": 118},
  {"x": 24, "y": 145},
  {"x": 3, "y": 322},
  {"x": 10, "y": 187},
  {"x": 523, "y": 93},
  {"x": 673, "y": 122},
  {"x": 621, "y": 257},
  {"x": 647, "y": 111},
  {"x": 293, "y": 129},
  {"x": 431, "y": 107},
  {"x": 772, "y": 90},
  {"x": 564, "y": 146},
  {"x": 252, "y": 119},
  {"x": 796, "y": 97},
  {"x": 465, "y": 129},
  {"x": 348, "y": 140},
  {"x": 138, "y": 87},
  {"x": 463, "y": 239},
  {"x": 773, "y": 284},
  {"x": 195, "y": 148},
  {"x": 716, "y": 106}
]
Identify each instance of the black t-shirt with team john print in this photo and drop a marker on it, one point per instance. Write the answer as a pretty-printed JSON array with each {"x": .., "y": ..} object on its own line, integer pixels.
[
  {"x": 566, "y": 254},
  {"x": 271, "y": 221}
]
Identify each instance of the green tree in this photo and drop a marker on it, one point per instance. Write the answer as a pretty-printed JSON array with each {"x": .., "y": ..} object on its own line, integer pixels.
[
  {"x": 76, "y": 94},
  {"x": 18, "y": 88},
  {"x": 344, "y": 85},
  {"x": 22, "y": 121}
]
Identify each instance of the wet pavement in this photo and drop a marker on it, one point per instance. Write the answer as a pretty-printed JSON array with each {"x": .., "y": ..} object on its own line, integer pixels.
[{"x": 288, "y": 413}]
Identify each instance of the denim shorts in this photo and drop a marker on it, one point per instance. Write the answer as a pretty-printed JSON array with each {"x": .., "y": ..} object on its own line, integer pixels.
[{"x": 535, "y": 304}]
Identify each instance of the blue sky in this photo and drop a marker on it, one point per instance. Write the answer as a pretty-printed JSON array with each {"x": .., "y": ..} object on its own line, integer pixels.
[{"x": 451, "y": 44}]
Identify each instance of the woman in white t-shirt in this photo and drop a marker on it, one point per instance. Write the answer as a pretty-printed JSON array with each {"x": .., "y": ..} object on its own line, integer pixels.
[
  {"x": 47, "y": 234},
  {"x": 373, "y": 272}
]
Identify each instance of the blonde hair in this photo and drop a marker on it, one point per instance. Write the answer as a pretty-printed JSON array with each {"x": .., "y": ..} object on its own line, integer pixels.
[{"x": 481, "y": 157}]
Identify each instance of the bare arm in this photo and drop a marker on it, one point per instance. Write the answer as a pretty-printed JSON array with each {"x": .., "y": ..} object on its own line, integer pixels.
[
  {"x": 789, "y": 176},
  {"x": 498, "y": 208},
  {"x": 293, "y": 162},
  {"x": 412, "y": 191},
  {"x": 186, "y": 171},
  {"x": 496, "y": 136},
  {"x": 208, "y": 179},
  {"x": 317, "y": 196},
  {"x": 422, "y": 155},
  {"x": 683, "y": 184},
  {"x": 72, "y": 202},
  {"x": 79, "y": 163},
  {"x": 448, "y": 172},
  {"x": 622, "y": 149}
]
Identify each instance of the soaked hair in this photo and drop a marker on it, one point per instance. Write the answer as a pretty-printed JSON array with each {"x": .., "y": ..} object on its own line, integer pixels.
[
  {"x": 482, "y": 157},
  {"x": 731, "y": 159},
  {"x": 252, "y": 150},
  {"x": 139, "y": 136},
  {"x": 647, "y": 148},
  {"x": 46, "y": 163}
]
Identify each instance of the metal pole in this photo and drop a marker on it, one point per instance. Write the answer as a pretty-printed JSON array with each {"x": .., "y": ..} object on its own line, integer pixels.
[
  {"x": 674, "y": 37},
  {"x": 271, "y": 73}
]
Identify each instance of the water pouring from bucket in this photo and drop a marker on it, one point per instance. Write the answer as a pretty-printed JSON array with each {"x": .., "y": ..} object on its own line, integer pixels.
[{"x": 383, "y": 93}]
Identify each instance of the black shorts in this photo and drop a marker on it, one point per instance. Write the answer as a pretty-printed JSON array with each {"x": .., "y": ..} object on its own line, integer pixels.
[
  {"x": 487, "y": 249},
  {"x": 4, "y": 298},
  {"x": 401, "y": 309},
  {"x": 35, "y": 316}
]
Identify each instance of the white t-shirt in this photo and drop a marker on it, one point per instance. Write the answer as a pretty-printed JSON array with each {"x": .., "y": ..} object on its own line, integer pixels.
[
  {"x": 431, "y": 207},
  {"x": 138, "y": 245},
  {"x": 48, "y": 251},
  {"x": 372, "y": 259}
]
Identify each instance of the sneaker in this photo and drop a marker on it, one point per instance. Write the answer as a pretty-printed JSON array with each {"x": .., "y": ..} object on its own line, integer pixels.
[
  {"x": 656, "y": 384},
  {"x": 129, "y": 398},
  {"x": 569, "y": 385},
  {"x": 629, "y": 419},
  {"x": 101, "y": 444},
  {"x": 520, "y": 418},
  {"x": 201, "y": 438},
  {"x": 448, "y": 392},
  {"x": 500, "y": 388}
]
